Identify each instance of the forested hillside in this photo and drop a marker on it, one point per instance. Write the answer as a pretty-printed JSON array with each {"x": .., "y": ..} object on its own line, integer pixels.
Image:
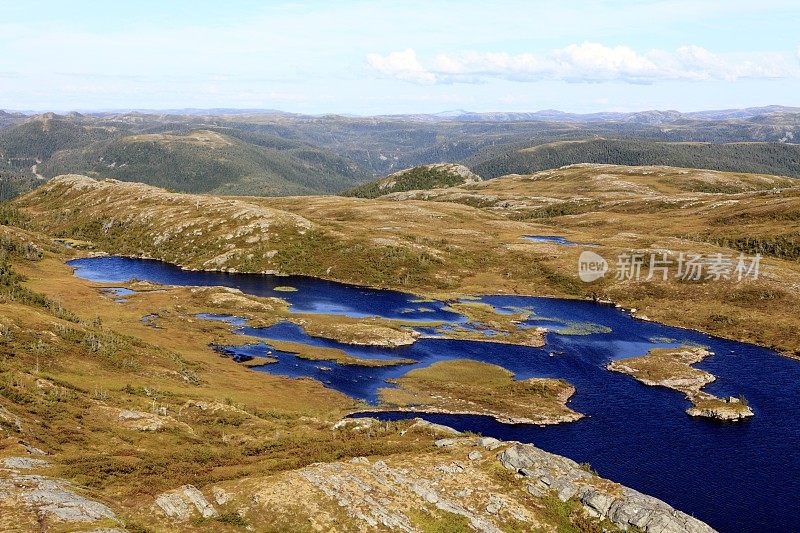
[
  {"x": 209, "y": 161},
  {"x": 275, "y": 153},
  {"x": 753, "y": 157}
]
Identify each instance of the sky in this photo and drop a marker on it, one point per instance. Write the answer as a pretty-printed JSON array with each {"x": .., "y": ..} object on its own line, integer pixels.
[{"x": 366, "y": 58}]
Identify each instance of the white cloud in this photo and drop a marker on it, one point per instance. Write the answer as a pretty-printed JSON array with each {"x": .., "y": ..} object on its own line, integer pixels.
[
  {"x": 585, "y": 62},
  {"x": 401, "y": 65}
]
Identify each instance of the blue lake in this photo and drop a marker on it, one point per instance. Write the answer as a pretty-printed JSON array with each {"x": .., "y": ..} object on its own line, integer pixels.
[
  {"x": 735, "y": 476},
  {"x": 555, "y": 239}
]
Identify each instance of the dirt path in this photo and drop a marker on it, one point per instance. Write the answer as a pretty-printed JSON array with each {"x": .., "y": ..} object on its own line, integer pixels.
[{"x": 35, "y": 170}]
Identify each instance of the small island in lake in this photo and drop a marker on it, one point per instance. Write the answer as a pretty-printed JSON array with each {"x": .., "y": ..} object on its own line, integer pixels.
[
  {"x": 672, "y": 368},
  {"x": 464, "y": 386}
]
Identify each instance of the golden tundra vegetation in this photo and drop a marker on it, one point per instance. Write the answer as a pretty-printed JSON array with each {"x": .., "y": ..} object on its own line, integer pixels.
[
  {"x": 104, "y": 417},
  {"x": 127, "y": 409},
  {"x": 473, "y": 387}
]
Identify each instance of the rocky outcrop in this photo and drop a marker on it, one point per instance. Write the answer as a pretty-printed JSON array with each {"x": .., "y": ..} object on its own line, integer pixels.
[
  {"x": 458, "y": 478},
  {"x": 727, "y": 409},
  {"x": 183, "y": 503},
  {"x": 45, "y": 499},
  {"x": 421, "y": 424},
  {"x": 24, "y": 463},
  {"x": 621, "y": 505}
]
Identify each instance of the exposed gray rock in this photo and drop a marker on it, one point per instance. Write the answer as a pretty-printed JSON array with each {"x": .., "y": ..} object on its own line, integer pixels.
[
  {"x": 597, "y": 503},
  {"x": 475, "y": 455},
  {"x": 546, "y": 471},
  {"x": 356, "y": 424},
  {"x": 535, "y": 491},
  {"x": 357, "y": 497},
  {"x": 32, "y": 449},
  {"x": 24, "y": 463},
  {"x": 495, "y": 504},
  {"x": 490, "y": 443},
  {"x": 444, "y": 443},
  {"x": 452, "y": 468},
  {"x": 183, "y": 502},
  {"x": 53, "y": 497},
  {"x": 419, "y": 423},
  {"x": 141, "y": 421},
  {"x": 221, "y": 496}
]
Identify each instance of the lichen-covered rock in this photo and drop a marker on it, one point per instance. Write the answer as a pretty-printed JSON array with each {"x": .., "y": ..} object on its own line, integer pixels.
[
  {"x": 24, "y": 463},
  {"x": 53, "y": 498},
  {"x": 182, "y": 503},
  {"x": 419, "y": 423},
  {"x": 623, "y": 506}
]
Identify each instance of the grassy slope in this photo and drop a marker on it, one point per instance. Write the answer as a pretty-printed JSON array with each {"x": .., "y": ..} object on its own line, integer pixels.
[{"x": 66, "y": 374}]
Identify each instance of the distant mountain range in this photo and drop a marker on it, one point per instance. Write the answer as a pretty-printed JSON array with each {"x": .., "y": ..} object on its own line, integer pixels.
[
  {"x": 642, "y": 117},
  {"x": 269, "y": 152}
]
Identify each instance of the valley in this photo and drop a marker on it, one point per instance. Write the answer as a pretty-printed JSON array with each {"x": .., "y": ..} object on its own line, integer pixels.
[
  {"x": 288, "y": 314},
  {"x": 416, "y": 267}
]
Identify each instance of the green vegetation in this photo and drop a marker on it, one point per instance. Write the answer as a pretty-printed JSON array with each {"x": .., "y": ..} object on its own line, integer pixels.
[
  {"x": 782, "y": 246},
  {"x": 754, "y": 157},
  {"x": 211, "y": 161},
  {"x": 417, "y": 178}
]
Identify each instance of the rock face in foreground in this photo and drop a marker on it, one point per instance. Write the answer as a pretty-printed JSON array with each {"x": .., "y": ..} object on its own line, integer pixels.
[
  {"x": 184, "y": 502},
  {"x": 459, "y": 481},
  {"x": 623, "y": 506},
  {"x": 35, "y": 502}
]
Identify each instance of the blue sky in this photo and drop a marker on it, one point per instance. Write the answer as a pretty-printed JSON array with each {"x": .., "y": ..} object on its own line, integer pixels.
[{"x": 399, "y": 57}]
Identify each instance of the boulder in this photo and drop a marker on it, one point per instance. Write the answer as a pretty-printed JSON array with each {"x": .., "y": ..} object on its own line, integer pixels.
[{"x": 182, "y": 503}]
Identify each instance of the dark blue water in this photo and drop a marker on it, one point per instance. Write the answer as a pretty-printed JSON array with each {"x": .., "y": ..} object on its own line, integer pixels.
[
  {"x": 557, "y": 239},
  {"x": 735, "y": 476},
  {"x": 313, "y": 295}
]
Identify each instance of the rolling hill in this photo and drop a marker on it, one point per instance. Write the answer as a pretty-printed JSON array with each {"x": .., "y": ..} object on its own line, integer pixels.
[
  {"x": 754, "y": 157},
  {"x": 436, "y": 176},
  {"x": 171, "y": 153},
  {"x": 215, "y": 161},
  {"x": 274, "y": 153}
]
